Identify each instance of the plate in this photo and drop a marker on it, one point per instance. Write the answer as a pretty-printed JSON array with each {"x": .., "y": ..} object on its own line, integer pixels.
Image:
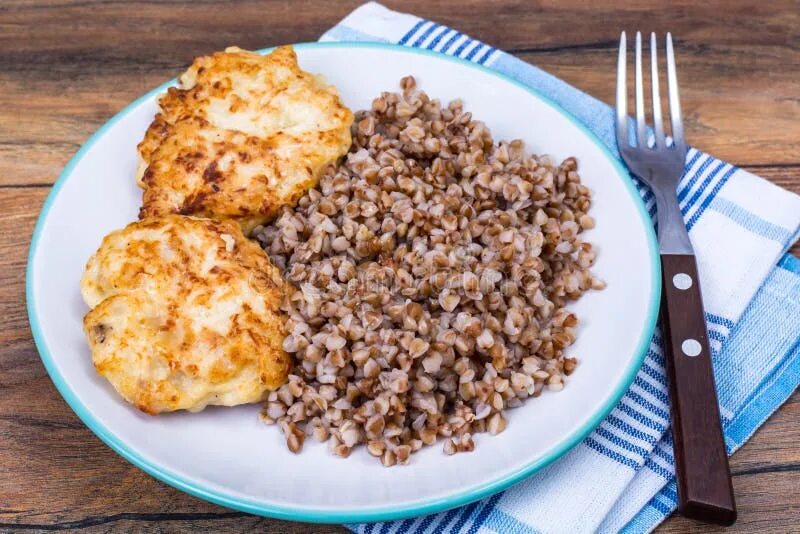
[{"x": 226, "y": 455}]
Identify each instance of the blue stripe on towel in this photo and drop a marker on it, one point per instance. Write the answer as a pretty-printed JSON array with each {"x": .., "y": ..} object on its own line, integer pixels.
[
  {"x": 345, "y": 33},
  {"x": 411, "y": 32},
  {"x": 621, "y": 443},
  {"x": 486, "y": 55},
  {"x": 718, "y": 319},
  {"x": 687, "y": 204},
  {"x": 790, "y": 263},
  {"x": 652, "y": 408},
  {"x": 640, "y": 418},
  {"x": 484, "y": 514},
  {"x": 750, "y": 221},
  {"x": 658, "y": 469},
  {"x": 472, "y": 52},
  {"x": 693, "y": 220},
  {"x": 462, "y": 46},
  {"x": 661, "y": 507},
  {"x": 406, "y": 524},
  {"x": 465, "y": 514},
  {"x": 656, "y": 374},
  {"x": 450, "y": 42},
  {"x": 713, "y": 334},
  {"x": 439, "y": 36},
  {"x": 499, "y": 521},
  {"x": 605, "y": 451},
  {"x": 651, "y": 389},
  {"x": 444, "y": 520},
  {"x": 693, "y": 156},
  {"x": 647, "y": 195},
  {"x": 669, "y": 494},
  {"x": 615, "y": 442},
  {"x": 425, "y": 35},
  {"x": 684, "y": 189},
  {"x": 657, "y": 339},
  {"x": 657, "y": 357},
  {"x": 631, "y": 430},
  {"x": 662, "y": 452}
]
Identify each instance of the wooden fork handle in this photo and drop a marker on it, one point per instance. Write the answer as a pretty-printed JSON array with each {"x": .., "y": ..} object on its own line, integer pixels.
[{"x": 701, "y": 464}]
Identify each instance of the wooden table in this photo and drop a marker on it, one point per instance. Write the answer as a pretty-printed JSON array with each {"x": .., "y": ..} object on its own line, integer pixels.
[{"x": 67, "y": 66}]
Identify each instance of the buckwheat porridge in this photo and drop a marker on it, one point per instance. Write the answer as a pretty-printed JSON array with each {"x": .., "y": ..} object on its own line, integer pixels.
[{"x": 431, "y": 272}]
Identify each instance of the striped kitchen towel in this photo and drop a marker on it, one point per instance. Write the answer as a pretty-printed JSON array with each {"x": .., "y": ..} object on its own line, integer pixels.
[{"x": 621, "y": 477}]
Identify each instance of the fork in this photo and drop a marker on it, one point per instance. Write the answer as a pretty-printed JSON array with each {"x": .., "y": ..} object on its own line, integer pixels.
[{"x": 701, "y": 464}]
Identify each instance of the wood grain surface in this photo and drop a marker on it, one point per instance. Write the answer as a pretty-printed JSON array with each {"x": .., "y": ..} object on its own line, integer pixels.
[{"x": 66, "y": 66}]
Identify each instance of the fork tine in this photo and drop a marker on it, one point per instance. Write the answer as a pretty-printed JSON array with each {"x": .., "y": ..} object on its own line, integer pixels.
[
  {"x": 641, "y": 136},
  {"x": 674, "y": 99},
  {"x": 658, "y": 124},
  {"x": 622, "y": 93}
]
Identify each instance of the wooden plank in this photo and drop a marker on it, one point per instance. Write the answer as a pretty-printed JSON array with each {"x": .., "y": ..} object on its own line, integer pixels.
[
  {"x": 18, "y": 211},
  {"x": 74, "y": 65},
  {"x": 68, "y": 66},
  {"x": 221, "y": 523},
  {"x": 153, "y": 28}
]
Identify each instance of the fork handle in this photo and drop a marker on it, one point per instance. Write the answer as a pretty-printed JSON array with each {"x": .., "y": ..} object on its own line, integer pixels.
[{"x": 701, "y": 463}]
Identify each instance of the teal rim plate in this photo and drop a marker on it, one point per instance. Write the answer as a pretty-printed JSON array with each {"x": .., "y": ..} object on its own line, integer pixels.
[{"x": 225, "y": 455}]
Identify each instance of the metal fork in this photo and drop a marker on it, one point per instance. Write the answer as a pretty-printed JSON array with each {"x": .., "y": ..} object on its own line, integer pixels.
[{"x": 701, "y": 464}]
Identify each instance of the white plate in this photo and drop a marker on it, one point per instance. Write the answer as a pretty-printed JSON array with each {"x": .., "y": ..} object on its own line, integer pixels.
[{"x": 226, "y": 455}]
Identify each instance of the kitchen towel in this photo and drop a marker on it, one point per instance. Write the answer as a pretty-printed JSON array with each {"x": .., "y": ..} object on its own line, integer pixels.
[{"x": 621, "y": 477}]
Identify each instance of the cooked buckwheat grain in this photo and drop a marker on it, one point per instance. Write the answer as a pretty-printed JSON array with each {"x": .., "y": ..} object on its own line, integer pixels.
[{"x": 432, "y": 269}]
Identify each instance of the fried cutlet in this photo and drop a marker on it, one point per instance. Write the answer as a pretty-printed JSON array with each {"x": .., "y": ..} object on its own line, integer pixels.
[
  {"x": 185, "y": 313},
  {"x": 242, "y": 135}
]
